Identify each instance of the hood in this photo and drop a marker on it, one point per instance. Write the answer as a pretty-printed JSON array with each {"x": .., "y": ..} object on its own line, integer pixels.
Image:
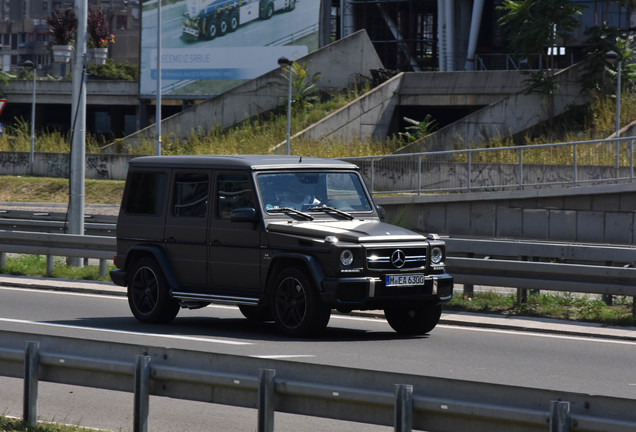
[{"x": 347, "y": 231}]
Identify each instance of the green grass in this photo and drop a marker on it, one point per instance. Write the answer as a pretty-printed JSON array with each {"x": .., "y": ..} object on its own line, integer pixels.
[
  {"x": 55, "y": 190},
  {"x": 564, "y": 305},
  {"x": 8, "y": 424},
  {"x": 35, "y": 265}
]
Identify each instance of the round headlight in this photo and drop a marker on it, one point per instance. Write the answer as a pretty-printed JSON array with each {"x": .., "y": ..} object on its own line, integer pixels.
[
  {"x": 346, "y": 258},
  {"x": 436, "y": 255}
]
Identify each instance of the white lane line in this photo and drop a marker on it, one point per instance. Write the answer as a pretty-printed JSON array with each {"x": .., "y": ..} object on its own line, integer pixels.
[
  {"x": 66, "y": 293},
  {"x": 283, "y": 356},
  {"x": 121, "y": 332},
  {"x": 537, "y": 334}
]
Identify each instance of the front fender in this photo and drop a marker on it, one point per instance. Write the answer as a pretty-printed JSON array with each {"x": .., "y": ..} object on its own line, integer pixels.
[{"x": 310, "y": 263}]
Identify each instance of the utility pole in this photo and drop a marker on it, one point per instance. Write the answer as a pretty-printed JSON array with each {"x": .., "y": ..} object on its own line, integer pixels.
[{"x": 78, "y": 129}]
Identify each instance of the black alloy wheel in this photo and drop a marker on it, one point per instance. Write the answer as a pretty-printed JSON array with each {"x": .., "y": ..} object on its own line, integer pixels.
[
  {"x": 296, "y": 306},
  {"x": 148, "y": 295}
]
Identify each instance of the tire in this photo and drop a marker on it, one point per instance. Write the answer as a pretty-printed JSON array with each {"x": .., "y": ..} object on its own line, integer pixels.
[
  {"x": 234, "y": 22},
  {"x": 212, "y": 30},
  {"x": 292, "y": 5},
  {"x": 417, "y": 320},
  {"x": 295, "y": 304},
  {"x": 148, "y": 295},
  {"x": 224, "y": 26},
  {"x": 268, "y": 11},
  {"x": 256, "y": 313}
]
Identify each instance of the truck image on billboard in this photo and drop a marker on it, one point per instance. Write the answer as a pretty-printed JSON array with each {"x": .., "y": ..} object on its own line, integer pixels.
[
  {"x": 207, "y": 19},
  {"x": 211, "y": 46}
]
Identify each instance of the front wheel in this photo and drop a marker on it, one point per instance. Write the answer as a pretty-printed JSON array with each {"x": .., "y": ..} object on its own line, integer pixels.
[
  {"x": 148, "y": 295},
  {"x": 414, "y": 320},
  {"x": 296, "y": 306}
]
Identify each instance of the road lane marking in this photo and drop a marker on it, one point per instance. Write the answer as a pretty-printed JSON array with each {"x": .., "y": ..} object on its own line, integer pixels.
[
  {"x": 283, "y": 356},
  {"x": 122, "y": 332},
  {"x": 538, "y": 334}
]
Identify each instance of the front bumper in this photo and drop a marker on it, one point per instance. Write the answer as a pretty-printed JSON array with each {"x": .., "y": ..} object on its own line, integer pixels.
[{"x": 371, "y": 293}]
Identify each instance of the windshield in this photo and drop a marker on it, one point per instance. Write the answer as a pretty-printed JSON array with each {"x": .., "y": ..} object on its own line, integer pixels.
[{"x": 313, "y": 192}]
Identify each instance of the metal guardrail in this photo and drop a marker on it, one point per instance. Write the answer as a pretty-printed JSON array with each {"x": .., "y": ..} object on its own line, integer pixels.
[
  {"x": 501, "y": 168},
  {"x": 55, "y": 244},
  {"x": 580, "y": 268},
  {"x": 38, "y": 221},
  {"x": 373, "y": 397}
]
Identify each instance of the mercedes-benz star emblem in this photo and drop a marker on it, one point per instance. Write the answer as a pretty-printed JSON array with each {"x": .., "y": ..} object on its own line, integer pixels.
[{"x": 398, "y": 258}]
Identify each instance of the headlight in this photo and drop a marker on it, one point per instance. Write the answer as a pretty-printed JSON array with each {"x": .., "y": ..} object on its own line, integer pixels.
[
  {"x": 346, "y": 257},
  {"x": 437, "y": 255}
]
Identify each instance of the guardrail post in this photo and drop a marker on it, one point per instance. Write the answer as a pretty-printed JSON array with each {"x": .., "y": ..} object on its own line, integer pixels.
[
  {"x": 103, "y": 267},
  {"x": 50, "y": 262},
  {"x": 31, "y": 377},
  {"x": 559, "y": 416},
  {"x": 3, "y": 260},
  {"x": 265, "y": 405},
  {"x": 142, "y": 394},
  {"x": 403, "y": 408}
]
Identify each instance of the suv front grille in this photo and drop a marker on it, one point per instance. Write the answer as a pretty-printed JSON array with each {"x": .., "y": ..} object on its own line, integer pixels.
[{"x": 396, "y": 258}]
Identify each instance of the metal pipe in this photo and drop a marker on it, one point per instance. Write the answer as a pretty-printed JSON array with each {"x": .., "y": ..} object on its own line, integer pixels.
[
  {"x": 158, "y": 95},
  {"x": 450, "y": 34},
  {"x": 475, "y": 21}
]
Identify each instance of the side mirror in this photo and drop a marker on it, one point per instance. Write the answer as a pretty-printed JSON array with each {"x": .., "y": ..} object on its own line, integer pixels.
[
  {"x": 245, "y": 214},
  {"x": 380, "y": 211}
]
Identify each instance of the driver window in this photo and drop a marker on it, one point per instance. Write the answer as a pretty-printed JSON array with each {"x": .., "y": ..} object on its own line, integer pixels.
[{"x": 234, "y": 191}]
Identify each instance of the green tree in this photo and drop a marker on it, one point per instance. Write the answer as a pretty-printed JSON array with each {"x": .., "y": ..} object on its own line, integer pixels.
[{"x": 532, "y": 26}]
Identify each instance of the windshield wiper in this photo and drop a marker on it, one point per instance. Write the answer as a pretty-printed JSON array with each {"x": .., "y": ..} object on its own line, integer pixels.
[
  {"x": 326, "y": 209},
  {"x": 290, "y": 210}
]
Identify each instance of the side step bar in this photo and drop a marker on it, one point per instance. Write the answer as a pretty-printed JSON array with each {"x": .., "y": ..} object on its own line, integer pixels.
[{"x": 209, "y": 298}]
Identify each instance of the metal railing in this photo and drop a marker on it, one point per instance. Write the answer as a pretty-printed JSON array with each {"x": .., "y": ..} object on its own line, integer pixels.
[
  {"x": 366, "y": 396},
  {"x": 501, "y": 168}
]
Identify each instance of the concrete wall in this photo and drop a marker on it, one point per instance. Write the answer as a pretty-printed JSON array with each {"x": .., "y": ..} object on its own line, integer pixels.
[
  {"x": 340, "y": 64},
  {"x": 98, "y": 92},
  {"x": 98, "y": 166},
  {"x": 459, "y": 88},
  {"x": 596, "y": 214},
  {"x": 508, "y": 116},
  {"x": 367, "y": 117}
]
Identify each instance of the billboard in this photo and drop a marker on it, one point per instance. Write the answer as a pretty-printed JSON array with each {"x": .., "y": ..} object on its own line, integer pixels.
[{"x": 211, "y": 46}]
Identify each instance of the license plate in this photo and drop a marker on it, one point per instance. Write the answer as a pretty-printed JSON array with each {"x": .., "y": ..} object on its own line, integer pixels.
[{"x": 405, "y": 280}]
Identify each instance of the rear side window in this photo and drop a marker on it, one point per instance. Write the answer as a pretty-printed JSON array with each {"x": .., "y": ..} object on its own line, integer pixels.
[
  {"x": 146, "y": 192},
  {"x": 190, "y": 195}
]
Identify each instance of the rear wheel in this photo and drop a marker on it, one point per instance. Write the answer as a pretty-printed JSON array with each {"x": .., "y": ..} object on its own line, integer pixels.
[
  {"x": 234, "y": 22},
  {"x": 212, "y": 30},
  {"x": 295, "y": 304},
  {"x": 268, "y": 11},
  {"x": 223, "y": 26},
  {"x": 148, "y": 295},
  {"x": 416, "y": 320}
]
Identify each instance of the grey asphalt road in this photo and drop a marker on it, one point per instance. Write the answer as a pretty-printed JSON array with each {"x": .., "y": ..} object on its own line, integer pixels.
[{"x": 521, "y": 352}]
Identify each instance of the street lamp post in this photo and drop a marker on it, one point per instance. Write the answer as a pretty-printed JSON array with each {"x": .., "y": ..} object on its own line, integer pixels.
[
  {"x": 284, "y": 61},
  {"x": 613, "y": 58},
  {"x": 29, "y": 64}
]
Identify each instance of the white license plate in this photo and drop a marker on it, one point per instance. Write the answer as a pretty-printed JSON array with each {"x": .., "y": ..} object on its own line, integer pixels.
[{"x": 405, "y": 280}]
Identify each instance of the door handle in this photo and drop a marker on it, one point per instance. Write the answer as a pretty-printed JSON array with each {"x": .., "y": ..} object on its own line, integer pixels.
[
  {"x": 215, "y": 243},
  {"x": 171, "y": 240}
]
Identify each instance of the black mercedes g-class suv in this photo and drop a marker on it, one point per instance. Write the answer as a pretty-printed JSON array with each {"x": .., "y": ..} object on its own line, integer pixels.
[{"x": 285, "y": 238}]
